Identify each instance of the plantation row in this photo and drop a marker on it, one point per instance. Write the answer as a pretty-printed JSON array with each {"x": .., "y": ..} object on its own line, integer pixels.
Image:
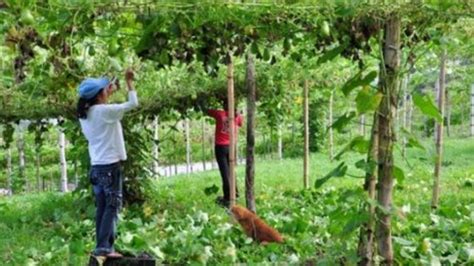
[{"x": 367, "y": 79}]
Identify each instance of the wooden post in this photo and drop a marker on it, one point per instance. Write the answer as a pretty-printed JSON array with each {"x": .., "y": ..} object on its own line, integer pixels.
[
  {"x": 188, "y": 146},
  {"x": 404, "y": 112},
  {"x": 439, "y": 133},
  {"x": 280, "y": 143},
  {"x": 330, "y": 121},
  {"x": 250, "y": 161},
  {"x": 76, "y": 175},
  {"x": 362, "y": 125},
  {"x": 203, "y": 140},
  {"x": 62, "y": 160},
  {"x": 9, "y": 171},
  {"x": 38, "y": 168},
  {"x": 21, "y": 158},
  {"x": 306, "y": 136},
  {"x": 367, "y": 236},
  {"x": 230, "y": 101},
  {"x": 156, "y": 148},
  {"x": 472, "y": 110},
  {"x": 447, "y": 107},
  {"x": 388, "y": 86}
]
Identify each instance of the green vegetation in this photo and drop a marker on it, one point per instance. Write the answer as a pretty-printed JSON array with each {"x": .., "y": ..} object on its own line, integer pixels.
[{"x": 181, "y": 224}]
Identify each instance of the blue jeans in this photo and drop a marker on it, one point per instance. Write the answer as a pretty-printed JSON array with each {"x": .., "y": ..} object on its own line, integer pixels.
[{"x": 107, "y": 185}]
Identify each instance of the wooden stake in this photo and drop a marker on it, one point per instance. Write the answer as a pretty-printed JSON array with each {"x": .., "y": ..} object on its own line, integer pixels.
[
  {"x": 386, "y": 112},
  {"x": 230, "y": 101},
  {"x": 439, "y": 132},
  {"x": 250, "y": 158},
  {"x": 9, "y": 171},
  {"x": 189, "y": 168},
  {"x": 330, "y": 121},
  {"x": 306, "y": 136},
  {"x": 156, "y": 151},
  {"x": 62, "y": 160}
]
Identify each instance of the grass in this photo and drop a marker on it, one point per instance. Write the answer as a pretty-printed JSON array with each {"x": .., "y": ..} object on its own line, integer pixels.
[{"x": 181, "y": 224}]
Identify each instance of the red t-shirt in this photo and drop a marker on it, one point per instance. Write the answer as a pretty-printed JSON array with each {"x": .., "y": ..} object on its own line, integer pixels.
[{"x": 222, "y": 126}]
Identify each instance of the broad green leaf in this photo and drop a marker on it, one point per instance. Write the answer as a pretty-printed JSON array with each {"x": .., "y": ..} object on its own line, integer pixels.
[
  {"x": 211, "y": 190},
  {"x": 358, "y": 80},
  {"x": 331, "y": 54},
  {"x": 426, "y": 106},
  {"x": 343, "y": 121},
  {"x": 339, "y": 171},
  {"x": 367, "y": 100},
  {"x": 367, "y": 167},
  {"x": 399, "y": 174},
  {"x": 358, "y": 144}
]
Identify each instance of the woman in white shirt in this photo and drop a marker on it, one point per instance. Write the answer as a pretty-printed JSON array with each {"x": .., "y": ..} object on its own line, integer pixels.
[{"x": 100, "y": 123}]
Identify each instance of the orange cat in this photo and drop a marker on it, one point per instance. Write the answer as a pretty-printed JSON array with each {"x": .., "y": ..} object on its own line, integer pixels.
[{"x": 255, "y": 227}]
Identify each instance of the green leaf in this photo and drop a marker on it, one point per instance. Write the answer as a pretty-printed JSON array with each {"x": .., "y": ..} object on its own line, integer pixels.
[
  {"x": 343, "y": 121},
  {"x": 427, "y": 106},
  {"x": 331, "y": 54},
  {"x": 354, "y": 223},
  {"x": 399, "y": 174},
  {"x": 266, "y": 54},
  {"x": 358, "y": 80},
  {"x": 211, "y": 190},
  {"x": 339, "y": 171},
  {"x": 368, "y": 100},
  {"x": 367, "y": 167},
  {"x": 358, "y": 144}
]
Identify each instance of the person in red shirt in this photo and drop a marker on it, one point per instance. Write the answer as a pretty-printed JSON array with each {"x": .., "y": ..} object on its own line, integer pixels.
[{"x": 222, "y": 142}]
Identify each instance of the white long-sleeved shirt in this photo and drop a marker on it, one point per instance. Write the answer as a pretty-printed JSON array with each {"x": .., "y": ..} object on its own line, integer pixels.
[{"x": 103, "y": 131}]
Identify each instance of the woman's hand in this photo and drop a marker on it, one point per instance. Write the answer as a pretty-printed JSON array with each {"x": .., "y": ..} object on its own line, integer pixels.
[{"x": 129, "y": 77}]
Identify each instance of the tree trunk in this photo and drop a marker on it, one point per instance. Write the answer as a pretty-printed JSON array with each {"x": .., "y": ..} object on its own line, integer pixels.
[
  {"x": 21, "y": 157},
  {"x": 306, "y": 136},
  {"x": 367, "y": 237},
  {"x": 9, "y": 171},
  {"x": 230, "y": 99},
  {"x": 62, "y": 160},
  {"x": 389, "y": 73},
  {"x": 188, "y": 147},
  {"x": 331, "y": 132},
  {"x": 156, "y": 151},
  {"x": 250, "y": 161},
  {"x": 439, "y": 132}
]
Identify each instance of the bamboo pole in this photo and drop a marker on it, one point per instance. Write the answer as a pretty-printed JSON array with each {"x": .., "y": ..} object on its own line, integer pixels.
[
  {"x": 9, "y": 171},
  {"x": 472, "y": 110},
  {"x": 439, "y": 133},
  {"x": 62, "y": 160},
  {"x": 367, "y": 234},
  {"x": 250, "y": 153},
  {"x": 230, "y": 101},
  {"x": 306, "y": 136},
  {"x": 203, "y": 141},
  {"x": 156, "y": 148},
  {"x": 389, "y": 75},
  {"x": 330, "y": 121},
  {"x": 189, "y": 167}
]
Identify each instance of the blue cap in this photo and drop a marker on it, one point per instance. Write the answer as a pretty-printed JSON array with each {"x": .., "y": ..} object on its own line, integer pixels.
[{"x": 91, "y": 86}]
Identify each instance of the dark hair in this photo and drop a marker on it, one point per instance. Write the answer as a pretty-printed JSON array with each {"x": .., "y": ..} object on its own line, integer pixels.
[{"x": 83, "y": 105}]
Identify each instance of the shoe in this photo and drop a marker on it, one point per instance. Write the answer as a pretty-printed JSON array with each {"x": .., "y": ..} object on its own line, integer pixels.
[
  {"x": 114, "y": 255},
  {"x": 221, "y": 201}
]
